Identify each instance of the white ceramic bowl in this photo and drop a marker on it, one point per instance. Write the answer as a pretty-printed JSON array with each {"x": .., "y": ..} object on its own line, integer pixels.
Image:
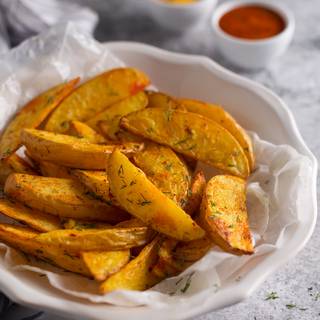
[
  {"x": 178, "y": 17},
  {"x": 252, "y": 54},
  {"x": 196, "y": 77}
]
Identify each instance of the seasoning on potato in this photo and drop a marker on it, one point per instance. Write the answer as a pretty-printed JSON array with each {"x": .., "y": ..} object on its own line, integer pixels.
[{"x": 111, "y": 189}]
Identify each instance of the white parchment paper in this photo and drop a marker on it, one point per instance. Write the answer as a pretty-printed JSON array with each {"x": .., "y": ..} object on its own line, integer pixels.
[{"x": 273, "y": 195}]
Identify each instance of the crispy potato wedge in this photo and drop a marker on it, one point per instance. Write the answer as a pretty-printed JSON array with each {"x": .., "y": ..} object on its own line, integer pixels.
[
  {"x": 32, "y": 115},
  {"x": 103, "y": 264},
  {"x": 96, "y": 95},
  {"x": 23, "y": 239},
  {"x": 108, "y": 239},
  {"x": 69, "y": 223},
  {"x": 195, "y": 193},
  {"x": 193, "y": 250},
  {"x": 35, "y": 219},
  {"x": 165, "y": 170},
  {"x": 142, "y": 199},
  {"x": 61, "y": 197},
  {"x": 70, "y": 151},
  {"x": 83, "y": 131},
  {"x": 224, "y": 215},
  {"x": 136, "y": 275},
  {"x": 218, "y": 114},
  {"x": 161, "y": 100},
  {"x": 192, "y": 135},
  {"x": 49, "y": 169},
  {"x": 12, "y": 164},
  {"x": 112, "y": 115},
  {"x": 97, "y": 182}
]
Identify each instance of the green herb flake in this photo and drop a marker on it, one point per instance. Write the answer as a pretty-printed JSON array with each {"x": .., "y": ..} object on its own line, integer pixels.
[
  {"x": 272, "y": 296},
  {"x": 188, "y": 283},
  {"x": 291, "y": 306},
  {"x": 168, "y": 166},
  {"x": 120, "y": 171},
  {"x": 231, "y": 165}
]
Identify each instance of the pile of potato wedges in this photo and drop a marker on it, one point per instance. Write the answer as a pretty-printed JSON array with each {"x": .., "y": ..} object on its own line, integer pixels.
[{"x": 104, "y": 183}]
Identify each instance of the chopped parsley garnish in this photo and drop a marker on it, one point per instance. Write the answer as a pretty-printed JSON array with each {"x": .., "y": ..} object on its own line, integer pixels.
[
  {"x": 272, "y": 296},
  {"x": 290, "y": 306},
  {"x": 188, "y": 283},
  {"x": 120, "y": 171}
]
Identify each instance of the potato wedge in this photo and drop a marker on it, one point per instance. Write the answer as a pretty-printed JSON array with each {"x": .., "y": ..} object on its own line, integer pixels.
[
  {"x": 35, "y": 219},
  {"x": 23, "y": 239},
  {"x": 70, "y": 151},
  {"x": 32, "y": 115},
  {"x": 12, "y": 164},
  {"x": 161, "y": 100},
  {"x": 103, "y": 264},
  {"x": 96, "y": 182},
  {"x": 192, "y": 135},
  {"x": 224, "y": 215},
  {"x": 96, "y": 95},
  {"x": 218, "y": 114},
  {"x": 81, "y": 130},
  {"x": 112, "y": 115},
  {"x": 166, "y": 171},
  {"x": 193, "y": 250},
  {"x": 195, "y": 193},
  {"x": 142, "y": 199},
  {"x": 136, "y": 275},
  {"x": 49, "y": 169},
  {"x": 61, "y": 197},
  {"x": 108, "y": 239}
]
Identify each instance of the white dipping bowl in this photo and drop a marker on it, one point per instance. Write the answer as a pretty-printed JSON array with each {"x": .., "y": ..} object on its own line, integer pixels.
[
  {"x": 179, "y": 17},
  {"x": 252, "y": 54}
]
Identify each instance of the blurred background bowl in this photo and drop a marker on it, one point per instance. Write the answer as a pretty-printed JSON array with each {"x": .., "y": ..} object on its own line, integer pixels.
[{"x": 252, "y": 54}]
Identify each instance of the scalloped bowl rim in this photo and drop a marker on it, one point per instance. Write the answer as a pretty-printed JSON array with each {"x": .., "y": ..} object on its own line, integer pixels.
[{"x": 22, "y": 293}]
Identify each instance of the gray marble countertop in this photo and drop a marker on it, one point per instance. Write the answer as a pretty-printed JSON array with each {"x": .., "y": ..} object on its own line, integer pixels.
[{"x": 295, "y": 77}]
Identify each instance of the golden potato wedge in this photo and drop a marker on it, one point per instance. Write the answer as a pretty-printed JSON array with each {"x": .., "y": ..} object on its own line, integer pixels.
[
  {"x": 23, "y": 239},
  {"x": 49, "y": 169},
  {"x": 35, "y": 219},
  {"x": 61, "y": 197},
  {"x": 195, "y": 193},
  {"x": 161, "y": 100},
  {"x": 70, "y": 151},
  {"x": 32, "y": 115},
  {"x": 107, "y": 239},
  {"x": 192, "y": 135},
  {"x": 12, "y": 164},
  {"x": 142, "y": 199},
  {"x": 193, "y": 250},
  {"x": 96, "y": 182},
  {"x": 96, "y": 95},
  {"x": 69, "y": 223},
  {"x": 103, "y": 264},
  {"x": 165, "y": 170},
  {"x": 224, "y": 215},
  {"x": 218, "y": 114},
  {"x": 112, "y": 115},
  {"x": 83, "y": 131},
  {"x": 136, "y": 275}
]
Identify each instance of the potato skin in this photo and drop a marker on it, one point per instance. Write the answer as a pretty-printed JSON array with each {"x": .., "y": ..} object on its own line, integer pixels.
[
  {"x": 166, "y": 171},
  {"x": 224, "y": 215},
  {"x": 23, "y": 239},
  {"x": 61, "y": 197},
  {"x": 70, "y": 151},
  {"x": 161, "y": 100},
  {"x": 136, "y": 275},
  {"x": 142, "y": 199},
  {"x": 192, "y": 135},
  {"x": 32, "y": 115},
  {"x": 218, "y": 114},
  {"x": 96, "y": 95}
]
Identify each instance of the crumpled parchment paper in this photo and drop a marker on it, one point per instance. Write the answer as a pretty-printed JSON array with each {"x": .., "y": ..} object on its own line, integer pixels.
[{"x": 274, "y": 196}]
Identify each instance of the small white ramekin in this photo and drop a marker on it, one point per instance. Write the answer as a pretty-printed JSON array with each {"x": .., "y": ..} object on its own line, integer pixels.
[
  {"x": 179, "y": 17},
  {"x": 252, "y": 54}
]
